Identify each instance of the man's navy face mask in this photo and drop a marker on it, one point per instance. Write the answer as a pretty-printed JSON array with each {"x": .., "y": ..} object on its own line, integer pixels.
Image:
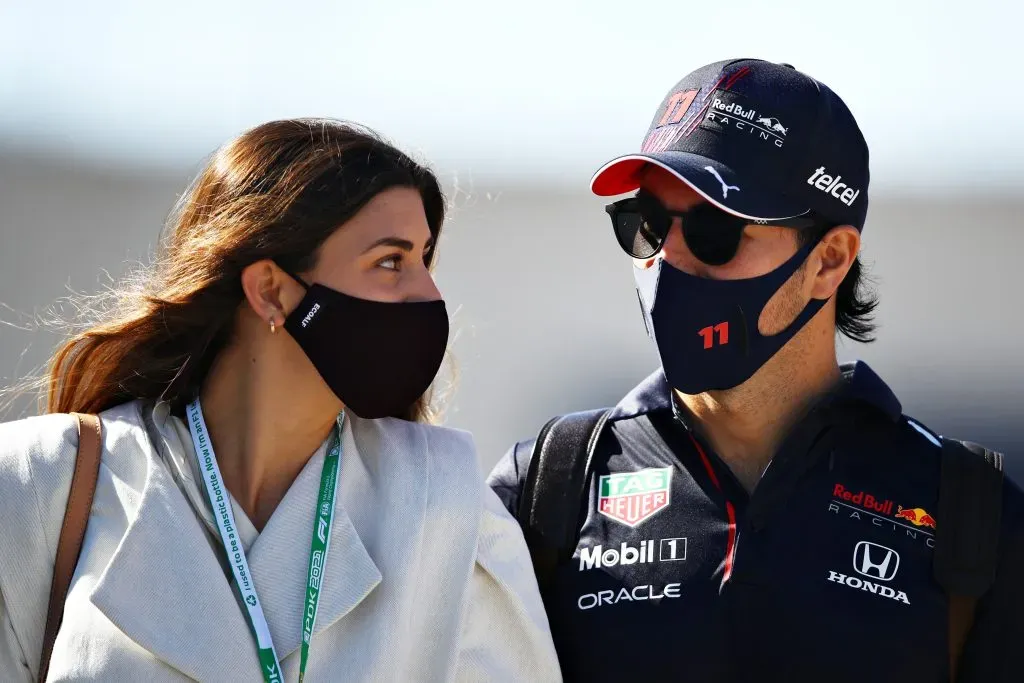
[{"x": 706, "y": 330}]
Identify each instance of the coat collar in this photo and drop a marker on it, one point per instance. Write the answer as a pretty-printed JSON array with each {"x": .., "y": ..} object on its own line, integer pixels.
[{"x": 165, "y": 587}]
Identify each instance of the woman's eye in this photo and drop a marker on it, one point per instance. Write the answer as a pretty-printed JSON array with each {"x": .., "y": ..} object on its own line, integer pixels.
[{"x": 390, "y": 263}]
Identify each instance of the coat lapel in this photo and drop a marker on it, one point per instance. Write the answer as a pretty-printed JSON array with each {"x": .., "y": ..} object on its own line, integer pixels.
[
  {"x": 279, "y": 558},
  {"x": 166, "y": 590}
]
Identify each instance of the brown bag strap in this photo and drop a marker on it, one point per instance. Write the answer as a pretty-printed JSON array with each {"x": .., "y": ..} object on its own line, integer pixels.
[{"x": 72, "y": 531}]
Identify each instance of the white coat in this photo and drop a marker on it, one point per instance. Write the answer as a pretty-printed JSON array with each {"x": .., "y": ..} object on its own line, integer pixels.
[{"x": 428, "y": 577}]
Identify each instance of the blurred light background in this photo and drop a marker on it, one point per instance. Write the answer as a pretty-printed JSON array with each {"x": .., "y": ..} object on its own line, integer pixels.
[{"x": 108, "y": 108}]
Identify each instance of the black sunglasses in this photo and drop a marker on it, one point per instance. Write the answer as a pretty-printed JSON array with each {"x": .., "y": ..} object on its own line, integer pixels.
[{"x": 642, "y": 224}]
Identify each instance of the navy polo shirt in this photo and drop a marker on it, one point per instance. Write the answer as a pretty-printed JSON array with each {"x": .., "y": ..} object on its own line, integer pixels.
[{"x": 823, "y": 574}]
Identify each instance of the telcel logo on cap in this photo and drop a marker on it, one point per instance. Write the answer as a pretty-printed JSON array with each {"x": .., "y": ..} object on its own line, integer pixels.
[{"x": 827, "y": 183}]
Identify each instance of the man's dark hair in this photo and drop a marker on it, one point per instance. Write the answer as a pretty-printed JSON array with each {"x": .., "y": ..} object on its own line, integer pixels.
[{"x": 855, "y": 300}]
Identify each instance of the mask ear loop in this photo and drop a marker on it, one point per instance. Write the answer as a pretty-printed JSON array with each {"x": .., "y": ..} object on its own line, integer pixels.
[
  {"x": 293, "y": 276},
  {"x": 289, "y": 273}
]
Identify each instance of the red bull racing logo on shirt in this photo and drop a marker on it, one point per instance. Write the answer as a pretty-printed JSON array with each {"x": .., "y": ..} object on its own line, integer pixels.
[
  {"x": 883, "y": 513},
  {"x": 917, "y": 516},
  {"x": 633, "y": 497}
]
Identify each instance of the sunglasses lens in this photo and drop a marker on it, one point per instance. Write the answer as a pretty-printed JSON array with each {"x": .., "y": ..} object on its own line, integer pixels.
[
  {"x": 712, "y": 235},
  {"x": 639, "y": 236},
  {"x": 642, "y": 224}
]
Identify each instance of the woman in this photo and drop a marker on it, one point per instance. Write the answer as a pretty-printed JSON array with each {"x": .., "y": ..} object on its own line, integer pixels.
[{"x": 265, "y": 386}]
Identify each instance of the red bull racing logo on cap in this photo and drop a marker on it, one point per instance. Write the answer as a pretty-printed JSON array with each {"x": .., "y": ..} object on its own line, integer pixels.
[{"x": 633, "y": 497}]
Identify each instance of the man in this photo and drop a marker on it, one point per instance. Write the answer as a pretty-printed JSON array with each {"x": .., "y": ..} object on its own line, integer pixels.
[{"x": 753, "y": 510}]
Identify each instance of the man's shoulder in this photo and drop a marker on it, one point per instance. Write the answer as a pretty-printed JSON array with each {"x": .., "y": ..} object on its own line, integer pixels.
[
  {"x": 916, "y": 436},
  {"x": 909, "y": 445},
  {"x": 896, "y": 434},
  {"x": 919, "y": 445},
  {"x": 509, "y": 474}
]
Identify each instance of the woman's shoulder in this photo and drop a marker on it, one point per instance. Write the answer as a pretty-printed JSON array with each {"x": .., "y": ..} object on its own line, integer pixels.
[
  {"x": 38, "y": 454},
  {"x": 450, "y": 453},
  {"x": 43, "y": 442},
  {"x": 31, "y": 446},
  {"x": 442, "y": 461},
  {"x": 37, "y": 457},
  {"x": 404, "y": 433},
  {"x": 37, "y": 461},
  {"x": 501, "y": 548},
  {"x": 455, "y": 447},
  {"x": 454, "y": 460}
]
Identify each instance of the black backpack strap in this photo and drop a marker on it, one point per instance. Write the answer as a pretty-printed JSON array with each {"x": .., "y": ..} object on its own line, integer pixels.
[
  {"x": 549, "y": 509},
  {"x": 967, "y": 533}
]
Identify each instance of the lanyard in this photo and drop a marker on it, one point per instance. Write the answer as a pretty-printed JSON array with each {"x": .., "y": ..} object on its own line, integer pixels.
[{"x": 221, "y": 506}]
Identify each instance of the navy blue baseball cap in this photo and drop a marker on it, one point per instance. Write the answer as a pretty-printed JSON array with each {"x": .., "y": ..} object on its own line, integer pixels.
[{"x": 760, "y": 140}]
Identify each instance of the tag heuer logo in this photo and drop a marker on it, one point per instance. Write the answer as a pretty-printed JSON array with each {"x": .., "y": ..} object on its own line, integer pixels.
[{"x": 632, "y": 497}]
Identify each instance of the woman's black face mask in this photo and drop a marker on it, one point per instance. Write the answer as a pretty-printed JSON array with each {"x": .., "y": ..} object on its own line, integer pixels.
[{"x": 377, "y": 357}]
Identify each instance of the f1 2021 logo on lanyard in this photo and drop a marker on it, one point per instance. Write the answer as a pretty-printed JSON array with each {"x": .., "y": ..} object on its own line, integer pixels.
[{"x": 316, "y": 569}]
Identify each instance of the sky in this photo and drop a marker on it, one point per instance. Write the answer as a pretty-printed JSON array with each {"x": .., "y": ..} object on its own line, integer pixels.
[{"x": 536, "y": 91}]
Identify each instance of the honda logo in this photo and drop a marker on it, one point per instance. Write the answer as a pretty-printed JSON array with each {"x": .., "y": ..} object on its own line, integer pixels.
[{"x": 876, "y": 561}]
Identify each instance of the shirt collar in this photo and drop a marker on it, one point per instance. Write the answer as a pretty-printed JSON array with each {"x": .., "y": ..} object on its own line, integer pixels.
[
  {"x": 862, "y": 384},
  {"x": 651, "y": 395},
  {"x": 178, "y": 452},
  {"x": 859, "y": 384}
]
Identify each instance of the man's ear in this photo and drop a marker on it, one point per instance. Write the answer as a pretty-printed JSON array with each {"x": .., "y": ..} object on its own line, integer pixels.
[{"x": 834, "y": 256}]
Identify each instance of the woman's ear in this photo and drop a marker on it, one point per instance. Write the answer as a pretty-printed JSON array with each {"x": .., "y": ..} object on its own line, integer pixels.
[
  {"x": 271, "y": 293},
  {"x": 836, "y": 253}
]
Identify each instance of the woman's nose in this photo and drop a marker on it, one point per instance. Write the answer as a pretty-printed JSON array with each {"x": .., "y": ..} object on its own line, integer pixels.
[{"x": 424, "y": 288}]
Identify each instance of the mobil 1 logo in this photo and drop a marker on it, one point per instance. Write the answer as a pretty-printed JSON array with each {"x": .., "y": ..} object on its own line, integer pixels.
[{"x": 646, "y": 552}]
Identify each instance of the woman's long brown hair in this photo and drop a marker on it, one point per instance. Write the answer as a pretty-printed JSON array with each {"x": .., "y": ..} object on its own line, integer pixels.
[{"x": 275, "y": 192}]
